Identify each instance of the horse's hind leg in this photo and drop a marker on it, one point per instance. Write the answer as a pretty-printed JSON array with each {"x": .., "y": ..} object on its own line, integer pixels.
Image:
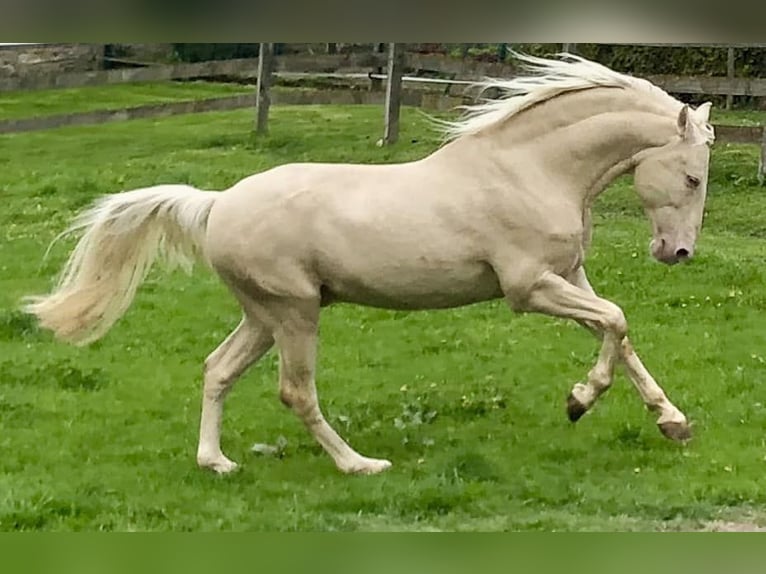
[
  {"x": 296, "y": 337},
  {"x": 246, "y": 344}
]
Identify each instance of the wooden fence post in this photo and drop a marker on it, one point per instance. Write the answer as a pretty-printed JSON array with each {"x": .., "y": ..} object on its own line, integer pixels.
[
  {"x": 262, "y": 99},
  {"x": 730, "y": 75},
  {"x": 393, "y": 93},
  {"x": 377, "y": 85}
]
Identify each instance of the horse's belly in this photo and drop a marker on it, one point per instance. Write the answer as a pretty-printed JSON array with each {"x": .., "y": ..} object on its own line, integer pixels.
[{"x": 424, "y": 288}]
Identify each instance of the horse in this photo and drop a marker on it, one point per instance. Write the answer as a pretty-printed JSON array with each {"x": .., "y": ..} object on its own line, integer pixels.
[{"x": 501, "y": 209}]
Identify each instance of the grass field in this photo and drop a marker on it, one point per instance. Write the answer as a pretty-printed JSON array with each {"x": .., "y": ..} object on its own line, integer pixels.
[
  {"x": 25, "y": 104},
  {"x": 469, "y": 404}
]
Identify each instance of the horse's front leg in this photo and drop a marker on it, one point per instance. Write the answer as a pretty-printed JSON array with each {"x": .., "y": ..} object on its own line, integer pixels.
[
  {"x": 554, "y": 295},
  {"x": 671, "y": 421}
]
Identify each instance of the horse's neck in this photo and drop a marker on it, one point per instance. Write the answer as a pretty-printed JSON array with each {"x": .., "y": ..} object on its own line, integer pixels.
[
  {"x": 581, "y": 141},
  {"x": 600, "y": 149}
]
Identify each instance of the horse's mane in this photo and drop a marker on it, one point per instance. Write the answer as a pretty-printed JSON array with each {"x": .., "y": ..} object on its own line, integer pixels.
[{"x": 544, "y": 79}]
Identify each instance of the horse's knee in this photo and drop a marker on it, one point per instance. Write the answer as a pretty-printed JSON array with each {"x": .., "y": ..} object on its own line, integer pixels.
[
  {"x": 614, "y": 322},
  {"x": 217, "y": 380},
  {"x": 600, "y": 379}
]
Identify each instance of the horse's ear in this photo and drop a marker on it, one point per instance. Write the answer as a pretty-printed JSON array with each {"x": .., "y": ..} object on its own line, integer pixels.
[
  {"x": 692, "y": 128},
  {"x": 703, "y": 112},
  {"x": 684, "y": 123}
]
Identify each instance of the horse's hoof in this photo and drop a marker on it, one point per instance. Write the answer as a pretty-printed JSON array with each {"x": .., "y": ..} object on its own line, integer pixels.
[
  {"x": 218, "y": 464},
  {"x": 675, "y": 431},
  {"x": 366, "y": 465},
  {"x": 575, "y": 409}
]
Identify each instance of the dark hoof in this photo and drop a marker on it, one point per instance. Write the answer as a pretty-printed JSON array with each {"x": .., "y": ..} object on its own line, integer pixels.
[
  {"x": 575, "y": 409},
  {"x": 679, "y": 432}
]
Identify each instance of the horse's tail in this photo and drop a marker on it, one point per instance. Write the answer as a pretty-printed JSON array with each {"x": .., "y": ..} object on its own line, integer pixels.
[{"x": 122, "y": 235}]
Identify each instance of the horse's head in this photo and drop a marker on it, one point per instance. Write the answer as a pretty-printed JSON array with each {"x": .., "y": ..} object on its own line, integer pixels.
[{"x": 672, "y": 183}]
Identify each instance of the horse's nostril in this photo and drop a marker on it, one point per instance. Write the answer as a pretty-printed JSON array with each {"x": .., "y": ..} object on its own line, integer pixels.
[{"x": 682, "y": 253}]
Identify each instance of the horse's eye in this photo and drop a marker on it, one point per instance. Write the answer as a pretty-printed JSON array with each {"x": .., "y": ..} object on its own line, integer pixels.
[{"x": 692, "y": 181}]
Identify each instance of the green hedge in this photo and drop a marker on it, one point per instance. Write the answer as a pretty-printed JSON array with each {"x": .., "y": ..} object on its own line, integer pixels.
[
  {"x": 205, "y": 52},
  {"x": 638, "y": 60},
  {"x": 645, "y": 60}
]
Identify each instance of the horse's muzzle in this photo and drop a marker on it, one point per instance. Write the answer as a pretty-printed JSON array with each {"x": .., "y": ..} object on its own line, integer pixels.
[{"x": 662, "y": 250}]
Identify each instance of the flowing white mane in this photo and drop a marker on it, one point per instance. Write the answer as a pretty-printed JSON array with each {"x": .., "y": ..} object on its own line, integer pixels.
[{"x": 545, "y": 79}]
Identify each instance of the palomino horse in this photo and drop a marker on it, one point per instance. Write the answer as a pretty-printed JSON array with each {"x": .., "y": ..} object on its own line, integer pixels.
[{"x": 501, "y": 210}]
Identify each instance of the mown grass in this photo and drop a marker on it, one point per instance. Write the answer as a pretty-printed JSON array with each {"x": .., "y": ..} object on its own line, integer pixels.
[
  {"x": 739, "y": 117},
  {"x": 467, "y": 403},
  {"x": 26, "y": 104}
]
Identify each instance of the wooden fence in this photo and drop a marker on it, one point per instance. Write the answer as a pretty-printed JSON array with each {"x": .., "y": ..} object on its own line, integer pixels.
[
  {"x": 364, "y": 68},
  {"x": 247, "y": 68}
]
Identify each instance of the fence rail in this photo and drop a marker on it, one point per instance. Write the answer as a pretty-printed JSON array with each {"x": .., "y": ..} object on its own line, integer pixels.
[
  {"x": 123, "y": 114},
  {"x": 245, "y": 67},
  {"x": 225, "y": 103},
  {"x": 711, "y": 85}
]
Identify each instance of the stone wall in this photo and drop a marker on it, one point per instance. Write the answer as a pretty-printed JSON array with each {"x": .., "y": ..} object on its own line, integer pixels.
[{"x": 46, "y": 59}]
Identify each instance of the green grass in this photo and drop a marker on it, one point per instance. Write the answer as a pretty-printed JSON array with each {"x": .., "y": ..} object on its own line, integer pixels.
[
  {"x": 26, "y": 104},
  {"x": 467, "y": 403},
  {"x": 739, "y": 118}
]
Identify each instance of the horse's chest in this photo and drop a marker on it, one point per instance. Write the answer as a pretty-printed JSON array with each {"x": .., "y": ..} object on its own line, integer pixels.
[{"x": 560, "y": 250}]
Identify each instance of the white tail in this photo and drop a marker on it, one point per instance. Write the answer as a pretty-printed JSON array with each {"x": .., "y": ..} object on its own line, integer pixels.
[{"x": 122, "y": 235}]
